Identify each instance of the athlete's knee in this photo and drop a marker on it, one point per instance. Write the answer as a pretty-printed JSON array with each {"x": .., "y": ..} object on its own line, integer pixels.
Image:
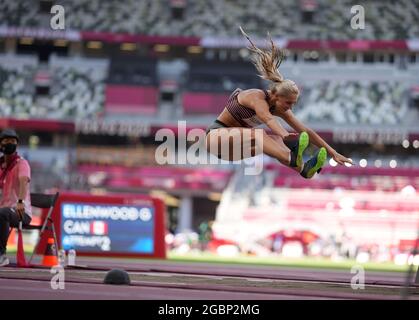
[{"x": 4, "y": 214}]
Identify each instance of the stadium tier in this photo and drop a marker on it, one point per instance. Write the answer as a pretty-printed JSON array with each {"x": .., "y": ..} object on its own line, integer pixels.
[
  {"x": 15, "y": 87},
  {"x": 355, "y": 102},
  {"x": 320, "y": 19},
  {"x": 94, "y": 88}
]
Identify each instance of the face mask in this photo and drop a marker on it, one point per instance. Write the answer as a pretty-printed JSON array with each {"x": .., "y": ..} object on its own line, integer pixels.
[{"x": 8, "y": 148}]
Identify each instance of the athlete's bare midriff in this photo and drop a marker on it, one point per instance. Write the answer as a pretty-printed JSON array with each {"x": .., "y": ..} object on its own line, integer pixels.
[{"x": 226, "y": 118}]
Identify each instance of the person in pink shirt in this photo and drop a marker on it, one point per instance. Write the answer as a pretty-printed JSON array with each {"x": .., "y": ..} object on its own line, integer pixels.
[{"x": 15, "y": 202}]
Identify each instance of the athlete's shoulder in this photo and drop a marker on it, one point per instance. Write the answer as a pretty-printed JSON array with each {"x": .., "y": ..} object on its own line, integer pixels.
[
  {"x": 251, "y": 97},
  {"x": 253, "y": 93}
]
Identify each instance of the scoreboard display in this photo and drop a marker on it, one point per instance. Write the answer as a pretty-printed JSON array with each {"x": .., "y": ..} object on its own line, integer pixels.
[
  {"x": 110, "y": 225},
  {"x": 107, "y": 228}
]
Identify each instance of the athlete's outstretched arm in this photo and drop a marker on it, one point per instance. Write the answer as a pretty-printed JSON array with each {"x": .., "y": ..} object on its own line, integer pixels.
[
  {"x": 261, "y": 108},
  {"x": 298, "y": 126}
]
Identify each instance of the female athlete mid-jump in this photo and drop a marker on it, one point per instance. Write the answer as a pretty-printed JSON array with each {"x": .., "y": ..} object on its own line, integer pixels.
[{"x": 247, "y": 109}]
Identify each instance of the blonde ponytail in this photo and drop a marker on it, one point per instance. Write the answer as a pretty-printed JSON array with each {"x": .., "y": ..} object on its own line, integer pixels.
[{"x": 267, "y": 61}]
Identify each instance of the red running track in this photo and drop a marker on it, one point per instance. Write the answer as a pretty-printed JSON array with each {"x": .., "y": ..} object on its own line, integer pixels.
[{"x": 168, "y": 280}]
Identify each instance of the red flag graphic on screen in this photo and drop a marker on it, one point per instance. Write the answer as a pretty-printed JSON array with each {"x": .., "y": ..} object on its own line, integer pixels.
[{"x": 99, "y": 228}]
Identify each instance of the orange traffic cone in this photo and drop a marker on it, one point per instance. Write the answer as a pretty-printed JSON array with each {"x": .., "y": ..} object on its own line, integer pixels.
[
  {"x": 20, "y": 253},
  {"x": 50, "y": 259}
]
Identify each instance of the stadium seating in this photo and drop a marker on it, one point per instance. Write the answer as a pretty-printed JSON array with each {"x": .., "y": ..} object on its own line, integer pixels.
[
  {"x": 355, "y": 178},
  {"x": 331, "y": 19},
  {"x": 165, "y": 177},
  {"x": 76, "y": 94},
  {"x": 18, "y": 13},
  {"x": 360, "y": 102},
  {"x": 78, "y": 88},
  {"x": 16, "y": 91}
]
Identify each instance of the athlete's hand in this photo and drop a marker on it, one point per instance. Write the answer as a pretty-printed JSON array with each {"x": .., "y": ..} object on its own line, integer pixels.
[{"x": 341, "y": 159}]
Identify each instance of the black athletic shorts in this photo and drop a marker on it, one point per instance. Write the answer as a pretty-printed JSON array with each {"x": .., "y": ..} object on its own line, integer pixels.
[{"x": 217, "y": 124}]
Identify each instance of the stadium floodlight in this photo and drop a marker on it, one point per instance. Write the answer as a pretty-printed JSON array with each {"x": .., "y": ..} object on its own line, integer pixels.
[
  {"x": 161, "y": 48},
  {"x": 194, "y": 49},
  {"x": 128, "y": 46},
  {"x": 26, "y": 41},
  {"x": 94, "y": 45},
  {"x": 393, "y": 164},
  {"x": 61, "y": 43}
]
